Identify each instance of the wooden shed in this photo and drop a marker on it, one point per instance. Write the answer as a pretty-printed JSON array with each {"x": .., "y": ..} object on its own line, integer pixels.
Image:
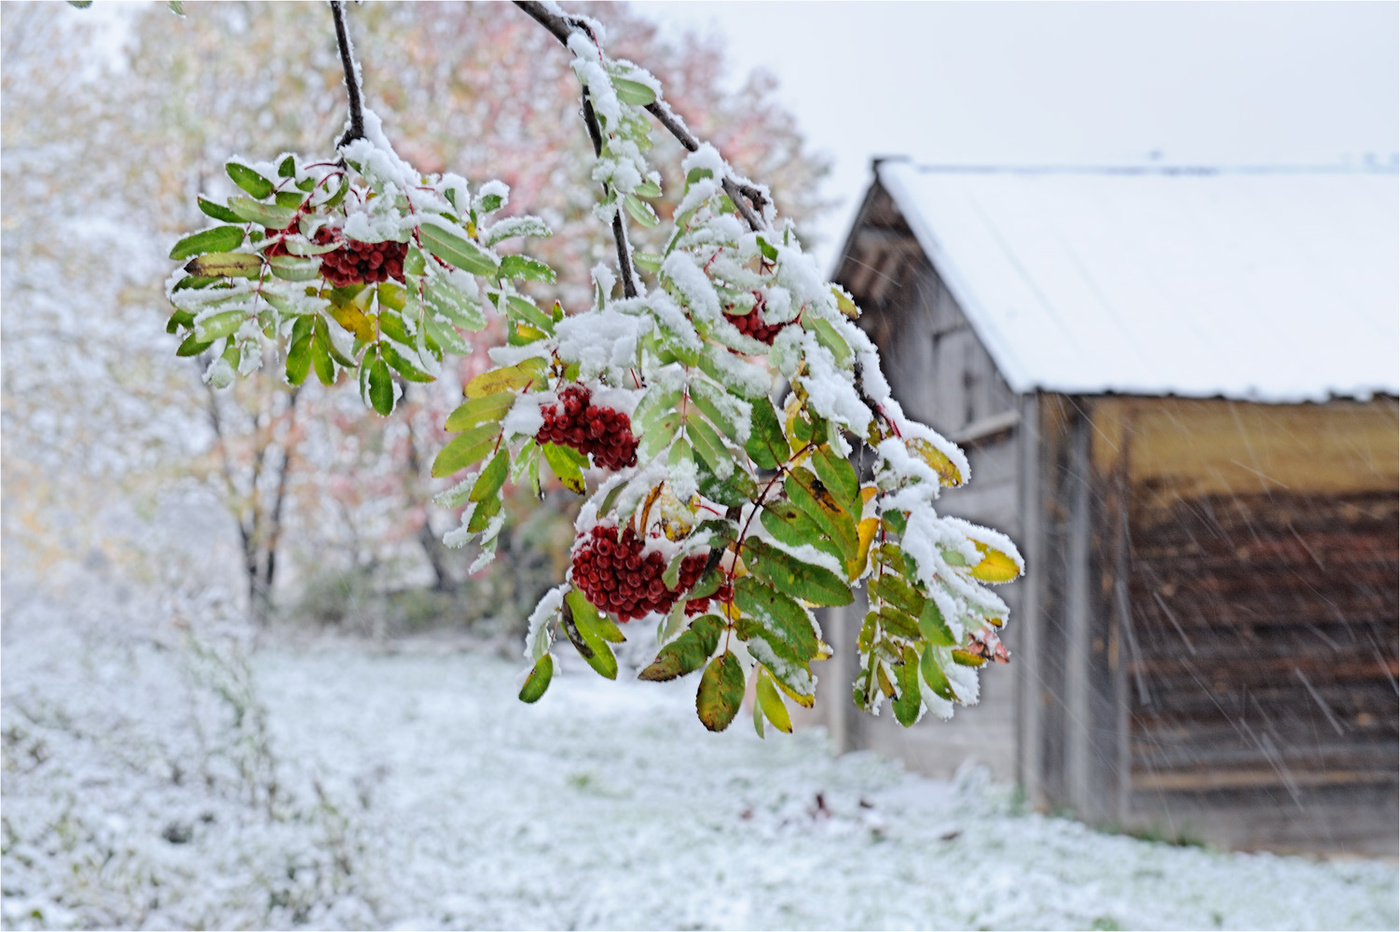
[{"x": 1177, "y": 389}]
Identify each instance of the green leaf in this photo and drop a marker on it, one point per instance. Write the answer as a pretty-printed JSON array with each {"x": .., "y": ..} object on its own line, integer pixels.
[
  {"x": 809, "y": 493},
  {"x": 446, "y": 336},
  {"x": 658, "y": 400},
  {"x": 442, "y": 297},
  {"x": 640, "y": 210},
  {"x": 249, "y": 180},
  {"x": 568, "y": 464},
  {"x": 292, "y": 200},
  {"x": 734, "y": 492},
  {"x": 791, "y": 526},
  {"x": 518, "y": 308},
  {"x": 767, "y": 445},
  {"x": 269, "y": 215},
  {"x": 466, "y": 449},
  {"x": 906, "y": 704},
  {"x": 647, "y": 261},
  {"x": 582, "y": 624},
  {"x": 932, "y": 626},
  {"x": 488, "y": 409},
  {"x": 538, "y": 680},
  {"x": 770, "y": 252},
  {"x": 492, "y": 477},
  {"x": 381, "y": 386},
  {"x": 788, "y": 574},
  {"x": 828, "y": 337},
  {"x": 648, "y": 188},
  {"x": 839, "y": 477},
  {"x": 772, "y": 703},
  {"x": 527, "y": 269},
  {"x": 721, "y": 692},
  {"x": 401, "y": 363},
  {"x": 777, "y": 618},
  {"x": 482, "y": 514},
  {"x": 292, "y": 269},
  {"x": 287, "y": 168},
  {"x": 456, "y": 251},
  {"x": 321, "y": 350},
  {"x": 299, "y": 352},
  {"x": 707, "y": 443},
  {"x": 193, "y": 346},
  {"x": 889, "y": 587},
  {"x": 897, "y": 624},
  {"x": 633, "y": 92},
  {"x": 214, "y": 239},
  {"x": 657, "y": 432},
  {"x": 217, "y": 211},
  {"x": 933, "y": 674},
  {"x": 225, "y": 265},
  {"x": 217, "y": 326}
]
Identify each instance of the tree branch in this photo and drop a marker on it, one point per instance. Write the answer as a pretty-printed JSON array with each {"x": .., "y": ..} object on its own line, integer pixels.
[
  {"x": 748, "y": 200},
  {"x": 352, "y": 82},
  {"x": 619, "y": 230}
]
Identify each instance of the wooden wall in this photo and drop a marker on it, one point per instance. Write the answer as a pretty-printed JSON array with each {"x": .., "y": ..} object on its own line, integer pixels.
[{"x": 1263, "y": 574}]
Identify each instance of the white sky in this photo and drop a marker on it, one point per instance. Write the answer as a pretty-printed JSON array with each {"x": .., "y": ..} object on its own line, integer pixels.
[{"x": 1068, "y": 82}]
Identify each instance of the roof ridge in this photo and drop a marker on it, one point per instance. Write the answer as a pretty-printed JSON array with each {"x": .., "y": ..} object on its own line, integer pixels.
[{"x": 1373, "y": 168}]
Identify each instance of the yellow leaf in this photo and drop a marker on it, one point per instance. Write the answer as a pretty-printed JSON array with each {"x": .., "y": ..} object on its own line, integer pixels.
[
  {"x": 507, "y": 379},
  {"x": 866, "y": 531},
  {"x": 354, "y": 320},
  {"x": 937, "y": 460},
  {"x": 845, "y": 303},
  {"x": 806, "y": 701},
  {"x": 996, "y": 567}
]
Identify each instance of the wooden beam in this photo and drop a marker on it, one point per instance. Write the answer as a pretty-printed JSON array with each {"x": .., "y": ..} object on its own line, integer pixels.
[
  {"x": 1078, "y": 606},
  {"x": 1030, "y": 685}
]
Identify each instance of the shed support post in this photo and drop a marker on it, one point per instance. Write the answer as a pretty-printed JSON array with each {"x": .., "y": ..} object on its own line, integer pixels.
[
  {"x": 1030, "y": 679},
  {"x": 1078, "y": 605}
]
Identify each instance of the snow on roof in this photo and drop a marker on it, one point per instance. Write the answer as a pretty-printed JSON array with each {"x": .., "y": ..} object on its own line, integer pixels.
[{"x": 1260, "y": 284}]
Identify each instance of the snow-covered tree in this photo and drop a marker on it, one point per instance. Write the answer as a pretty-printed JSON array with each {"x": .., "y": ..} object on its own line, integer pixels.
[{"x": 707, "y": 402}]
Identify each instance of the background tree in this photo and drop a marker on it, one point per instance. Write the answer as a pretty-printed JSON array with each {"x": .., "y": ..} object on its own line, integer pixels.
[{"x": 317, "y": 477}]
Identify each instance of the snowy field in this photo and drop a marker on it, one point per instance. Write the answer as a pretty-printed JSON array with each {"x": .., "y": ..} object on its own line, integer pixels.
[{"x": 154, "y": 780}]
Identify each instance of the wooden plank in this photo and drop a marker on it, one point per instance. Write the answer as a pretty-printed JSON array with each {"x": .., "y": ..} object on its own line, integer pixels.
[
  {"x": 1030, "y": 689},
  {"x": 1198, "y": 780},
  {"x": 1077, "y": 620}
]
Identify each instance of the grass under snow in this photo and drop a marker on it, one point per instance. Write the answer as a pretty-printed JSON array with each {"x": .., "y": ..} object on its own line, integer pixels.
[{"x": 333, "y": 785}]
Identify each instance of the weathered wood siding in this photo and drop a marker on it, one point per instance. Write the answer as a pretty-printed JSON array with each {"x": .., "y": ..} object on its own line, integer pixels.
[{"x": 1263, "y": 580}]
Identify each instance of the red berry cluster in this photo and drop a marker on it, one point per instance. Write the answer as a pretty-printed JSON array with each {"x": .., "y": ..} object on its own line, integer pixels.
[
  {"x": 615, "y": 577},
  {"x": 751, "y": 324},
  {"x": 356, "y": 262},
  {"x": 723, "y": 594},
  {"x": 603, "y": 432}
]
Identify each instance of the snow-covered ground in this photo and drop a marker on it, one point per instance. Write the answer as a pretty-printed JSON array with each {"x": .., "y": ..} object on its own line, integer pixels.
[{"x": 151, "y": 783}]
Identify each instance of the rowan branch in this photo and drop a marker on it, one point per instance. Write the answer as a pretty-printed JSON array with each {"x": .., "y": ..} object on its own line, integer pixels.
[
  {"x": 352, "y": 82},
  {"x": 748, "y": 199}
]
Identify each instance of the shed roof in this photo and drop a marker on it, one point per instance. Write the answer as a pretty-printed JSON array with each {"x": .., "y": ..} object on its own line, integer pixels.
[{"x": 1260, "y": 284}]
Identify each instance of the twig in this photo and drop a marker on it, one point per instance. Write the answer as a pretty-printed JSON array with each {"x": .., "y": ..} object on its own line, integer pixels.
[
  {"x": 619, "y": 230},
  {"x": 352, "y": 83},
  {"x": 748, "y": 200}
]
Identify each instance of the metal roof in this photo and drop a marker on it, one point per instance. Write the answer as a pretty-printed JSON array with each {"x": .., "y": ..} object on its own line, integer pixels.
[{"x": 1269, "y": 284}]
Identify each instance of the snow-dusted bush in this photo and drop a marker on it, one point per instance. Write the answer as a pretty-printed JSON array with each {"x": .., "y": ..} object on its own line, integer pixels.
[{"x": 712, "y": 399}]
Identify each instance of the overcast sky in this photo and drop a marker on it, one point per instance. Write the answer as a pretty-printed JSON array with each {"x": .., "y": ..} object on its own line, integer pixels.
[{"x": 1036, "y": 83}]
